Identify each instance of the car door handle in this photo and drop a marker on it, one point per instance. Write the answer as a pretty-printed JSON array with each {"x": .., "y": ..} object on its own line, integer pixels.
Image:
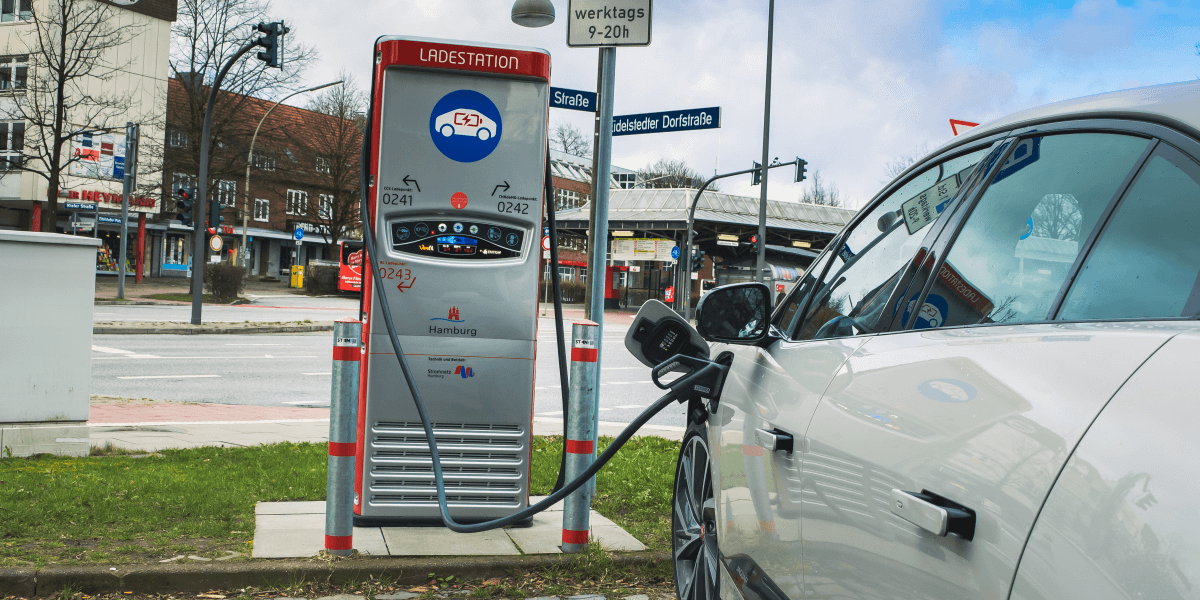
[
  {"x": 774, "y": 439},
  {"x": 934, "y": 513}
]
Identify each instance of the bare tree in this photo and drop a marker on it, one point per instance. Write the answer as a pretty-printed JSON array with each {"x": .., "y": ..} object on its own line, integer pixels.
[
  {"x": 821, "y": 194},
  {"x": 334, "y": 134},
  {"x": 567, "y": 138},
  {"x": 73, "y": 47},
  {"x": 894, "y": 168},
  {"x": 1057, "y": 217},
  {"x": 205, "y": 34},
  {"x": 668, "y": 173}
]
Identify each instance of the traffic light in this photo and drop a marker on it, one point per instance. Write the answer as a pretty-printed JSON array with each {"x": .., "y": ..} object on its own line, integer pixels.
[
  {"x": 756, "y": 176},
  {"x": 185, "y": 203},
  {"x": 214, "y": 215},
  {"x": 273, "y": 42},
  {"x": 800, "y": 164},
  {"x": 697, "y": 260}
]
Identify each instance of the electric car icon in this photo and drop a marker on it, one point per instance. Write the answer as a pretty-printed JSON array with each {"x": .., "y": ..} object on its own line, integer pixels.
[{"x": 464, "y": 121}]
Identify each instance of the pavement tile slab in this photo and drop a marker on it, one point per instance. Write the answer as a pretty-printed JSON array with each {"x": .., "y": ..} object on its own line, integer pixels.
[{"x": 439, "y": 541}]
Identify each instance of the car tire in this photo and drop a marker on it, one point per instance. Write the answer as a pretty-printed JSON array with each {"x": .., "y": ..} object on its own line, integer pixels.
[
  {"x": 483, "y": 134},
  {"x": 447, "y": 130},
  {"x": 694, "y": 550}
]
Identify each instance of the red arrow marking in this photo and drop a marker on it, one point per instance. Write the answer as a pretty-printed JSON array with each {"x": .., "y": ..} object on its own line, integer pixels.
[{"x": 402, "y": 287}]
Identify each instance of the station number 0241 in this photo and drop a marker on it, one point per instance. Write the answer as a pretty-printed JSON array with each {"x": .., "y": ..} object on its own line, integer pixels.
[{"x": 397, "y": 199}]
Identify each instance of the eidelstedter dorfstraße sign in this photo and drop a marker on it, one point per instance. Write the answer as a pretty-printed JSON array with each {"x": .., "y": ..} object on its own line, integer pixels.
[{"x": 594, "y": 23}]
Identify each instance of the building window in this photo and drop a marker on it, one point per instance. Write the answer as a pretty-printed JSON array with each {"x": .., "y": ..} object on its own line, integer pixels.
[
  {"x": 297, "y": 203},
  {"x": 567, "y": 199},
  {"x": 322, "y": 165},
  {"x": 624, "y": 181},
  {"x": 262, "y": 210},
  {"x": 264, "y": 162},
  {"x": 12, "y": 143},
  {"x": 566, "y": 273},
  {"x": 13, "y": 72},
  {"x": 325, "y": 207},
  {"x": 16, "y": 10},
  {"x": 177, "y": 138},
  {"x": 225, "y": 192}
]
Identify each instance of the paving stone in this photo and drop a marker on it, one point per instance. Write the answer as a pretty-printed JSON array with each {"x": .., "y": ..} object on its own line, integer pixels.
[
  {"x": 199, "y": 558},
  {"x": 636, "y": 597},
  {"x": 173, "y": 559},
  {"x": 397, "y": 596},
  {"x": 439, "y": 541},
  {"x": 231, "y": 554},
  {"x": 290, "y": 508},
  {"x": 545, "y": 598},
  {"x": 587, "y": 597},
  {"x": 342, "y": 597}
]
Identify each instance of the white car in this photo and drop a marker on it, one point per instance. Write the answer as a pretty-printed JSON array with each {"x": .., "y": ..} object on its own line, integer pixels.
[
  {"x": 464, "y": 121},
  {"x": 986, "y": 386}
]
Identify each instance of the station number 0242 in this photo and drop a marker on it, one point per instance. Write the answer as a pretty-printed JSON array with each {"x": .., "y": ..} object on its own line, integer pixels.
[{"x": 519, "y": 208}]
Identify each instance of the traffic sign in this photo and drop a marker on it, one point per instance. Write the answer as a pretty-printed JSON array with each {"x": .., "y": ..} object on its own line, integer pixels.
[
  {"x": 215, "y": 242},
  {"x": 546, "y": 243},
  {"x": 572, "y": 99},
  {"x": 672, "y": 120},
  {"x": 298, "y": 234},
  {"x": 109, "y": 219},
  {"x": 958, "y": 126},
  {"x": 593, "y": 23},
  {"x": 80, "y": 206},
  {"x": 675, "y": 253}
]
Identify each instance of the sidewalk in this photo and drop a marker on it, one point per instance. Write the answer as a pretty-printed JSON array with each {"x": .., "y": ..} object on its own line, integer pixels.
[{"x": 106, "y": 287}]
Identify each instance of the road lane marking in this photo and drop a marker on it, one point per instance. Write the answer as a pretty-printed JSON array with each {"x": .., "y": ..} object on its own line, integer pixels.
[
  {"x": 124, "y": 357},
  {"x": 321, "y": 373},
  {"x": 166, "y": 376},
  {"x": 612, "y": 424},
  {"x": 258, "y": 344},
  {"x": 619, "y": 368},
  {"x": 629, "y": 406},
  {"x": 110, "y": 350}
]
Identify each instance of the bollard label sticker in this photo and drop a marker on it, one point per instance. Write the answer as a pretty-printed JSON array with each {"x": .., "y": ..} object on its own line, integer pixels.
[
  {"x": 465, "y": 126},
  {"x": 582, "y": 343},
  {"x": 346, "y": 342}
]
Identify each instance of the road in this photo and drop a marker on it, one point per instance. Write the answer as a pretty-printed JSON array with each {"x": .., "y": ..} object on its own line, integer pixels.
[
  {"x": 284, "y": 308},
  {"x": 294, "y": 370}
]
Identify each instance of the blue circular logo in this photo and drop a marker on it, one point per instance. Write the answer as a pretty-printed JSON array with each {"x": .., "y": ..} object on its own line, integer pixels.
[
  {"x": 947, "y": 390},
  {"x": 465, "y": 125}
]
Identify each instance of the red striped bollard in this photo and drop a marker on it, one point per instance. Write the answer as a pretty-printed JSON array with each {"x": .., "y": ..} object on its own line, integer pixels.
[
  {"x": 343, "y": 406},
  {"x": 581, "y": 431}
]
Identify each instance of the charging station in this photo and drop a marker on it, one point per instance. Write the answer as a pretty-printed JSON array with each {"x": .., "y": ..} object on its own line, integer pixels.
[{"x": 457, "y": 167}]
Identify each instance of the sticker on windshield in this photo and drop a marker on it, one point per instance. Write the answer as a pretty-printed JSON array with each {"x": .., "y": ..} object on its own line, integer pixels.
[
  {"x": 924, "y": 208},
  {"x": 465, "y": 126}
]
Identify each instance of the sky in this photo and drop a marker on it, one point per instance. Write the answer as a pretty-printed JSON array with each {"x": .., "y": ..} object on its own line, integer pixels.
[{"x": 856, "y": 84}]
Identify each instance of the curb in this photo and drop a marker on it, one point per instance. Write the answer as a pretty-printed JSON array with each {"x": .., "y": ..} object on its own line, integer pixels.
[
  {"x": 125, "y": 302},
  {"x": 159, "y": 578},
  {"x": 188, "y": 329}
]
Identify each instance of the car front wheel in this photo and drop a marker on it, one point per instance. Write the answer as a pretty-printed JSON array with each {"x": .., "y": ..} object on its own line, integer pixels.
[{"x": 693, "y": 520}]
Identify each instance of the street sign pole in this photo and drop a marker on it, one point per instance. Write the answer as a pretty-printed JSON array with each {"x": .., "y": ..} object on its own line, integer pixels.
[
  {"x": 131, "y": 140},
  {"x": 766, "y": 160},
  {"x": 598, "y": 240}
]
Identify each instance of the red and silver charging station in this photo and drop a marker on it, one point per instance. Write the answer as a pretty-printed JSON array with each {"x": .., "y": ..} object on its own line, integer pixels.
[{"x": 457, "y": 167}]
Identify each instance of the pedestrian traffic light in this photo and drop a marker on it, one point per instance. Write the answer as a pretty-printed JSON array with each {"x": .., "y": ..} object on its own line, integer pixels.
[
  {"x": 185, "y": 203},
  {"x": 214, "y": 215},
  {"x": 756, "y": 176},
  {"x": 272, "y": 41},
  {"x": 800, "y": 165},
  {"x": 697, "y": 260}
]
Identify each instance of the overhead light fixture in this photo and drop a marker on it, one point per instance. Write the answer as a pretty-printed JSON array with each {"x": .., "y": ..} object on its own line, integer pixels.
[
  {"x": 532, "y": 13},
  {"x": 727, "y": 237},
  {"x": 802, "y": 244},
  {"x": 622, "y": 234}
]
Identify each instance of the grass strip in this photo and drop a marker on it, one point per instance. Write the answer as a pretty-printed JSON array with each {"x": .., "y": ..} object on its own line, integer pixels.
[{"x": 120, "y": 508}]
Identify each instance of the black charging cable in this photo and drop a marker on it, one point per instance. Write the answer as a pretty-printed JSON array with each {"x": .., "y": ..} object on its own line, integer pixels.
[{"x": 556, "y": 283}]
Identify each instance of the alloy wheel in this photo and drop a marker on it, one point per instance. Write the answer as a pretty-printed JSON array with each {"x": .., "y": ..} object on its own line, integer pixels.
[{"x": 693, "y": 524}]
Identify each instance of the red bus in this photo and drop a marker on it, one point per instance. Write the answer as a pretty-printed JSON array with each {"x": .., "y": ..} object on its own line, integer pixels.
[{"x": 350, "y": 266}]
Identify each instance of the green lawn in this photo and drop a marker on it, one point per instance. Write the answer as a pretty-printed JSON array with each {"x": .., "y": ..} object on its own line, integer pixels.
[{"x": 118, "y": 508}]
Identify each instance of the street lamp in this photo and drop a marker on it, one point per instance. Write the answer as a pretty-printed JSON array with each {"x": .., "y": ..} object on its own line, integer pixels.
[
  {"x": 533, "y": 13},
  {"x": 250, "y": 161}
]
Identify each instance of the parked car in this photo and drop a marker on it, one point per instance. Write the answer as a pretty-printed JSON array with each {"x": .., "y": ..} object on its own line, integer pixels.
[{"x": 985, "y": 387}]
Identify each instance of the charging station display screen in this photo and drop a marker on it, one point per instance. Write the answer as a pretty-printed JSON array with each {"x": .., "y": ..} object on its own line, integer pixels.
[{"x": 470, "y": 240}]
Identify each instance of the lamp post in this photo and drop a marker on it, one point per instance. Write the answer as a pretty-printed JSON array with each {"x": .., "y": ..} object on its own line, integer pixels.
[
  {"x": 250, "y": 161},
  {"x": 761, "y": 267}
]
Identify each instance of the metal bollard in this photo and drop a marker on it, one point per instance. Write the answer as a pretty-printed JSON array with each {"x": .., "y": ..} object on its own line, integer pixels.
[
  {"x": 581, "y": 431},
  {"x": 343, "y": 406}
]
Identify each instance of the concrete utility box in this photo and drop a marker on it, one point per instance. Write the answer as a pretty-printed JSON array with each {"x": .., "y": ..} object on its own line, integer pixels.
[{"x": 47, "y": 293}]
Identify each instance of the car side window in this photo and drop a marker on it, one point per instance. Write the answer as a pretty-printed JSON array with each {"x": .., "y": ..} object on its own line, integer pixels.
[
  {"x": 1146, "y": 262},
  {"x": 788, "y": 316},
  {"x": 1012, "y": 255},
  {"x": 870, "y": 260}
]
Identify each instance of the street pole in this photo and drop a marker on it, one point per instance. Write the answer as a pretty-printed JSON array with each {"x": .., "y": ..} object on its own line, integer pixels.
[
  {"x": 198, "y": 253},
  {"x": 762, "y": 197},
  {"x": 250, "y": 160},
  {"x": 131, "y": 141},
  {"x": 598, "y": 244},
  {"x": 587, "y": 289}
]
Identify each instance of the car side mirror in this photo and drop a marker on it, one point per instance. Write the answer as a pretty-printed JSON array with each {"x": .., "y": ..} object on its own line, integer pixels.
[{"x": 735, "y": 314}]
